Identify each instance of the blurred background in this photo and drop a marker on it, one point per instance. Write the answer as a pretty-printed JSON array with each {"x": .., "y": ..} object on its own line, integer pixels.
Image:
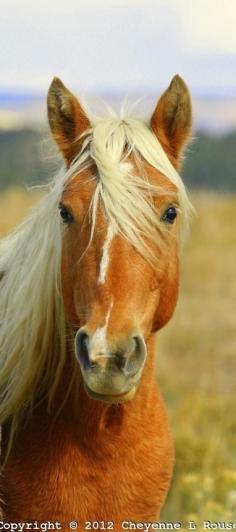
[{"x": 110, "y": 49}]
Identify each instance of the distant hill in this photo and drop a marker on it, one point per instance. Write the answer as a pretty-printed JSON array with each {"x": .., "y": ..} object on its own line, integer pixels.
[
  {"x": 211, "y": 162},
  {"x": 28, "y": 158},
  {"x": 25, "y": 158}
]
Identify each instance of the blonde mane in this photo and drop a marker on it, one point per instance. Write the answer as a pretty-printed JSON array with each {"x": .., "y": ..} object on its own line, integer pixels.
[{"x": 32, "y": 323}]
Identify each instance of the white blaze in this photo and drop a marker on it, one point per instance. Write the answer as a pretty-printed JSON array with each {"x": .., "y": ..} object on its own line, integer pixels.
[
  {"x": 111, "y": 231},
  {"x": 98, "y": 343}
]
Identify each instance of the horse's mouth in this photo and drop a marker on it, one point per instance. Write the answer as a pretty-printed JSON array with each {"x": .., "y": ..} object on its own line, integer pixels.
[{"x": 112, "y": 399}]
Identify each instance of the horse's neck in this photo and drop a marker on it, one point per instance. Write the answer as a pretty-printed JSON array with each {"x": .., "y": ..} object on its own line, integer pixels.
[{"x": 93, "y": 458}]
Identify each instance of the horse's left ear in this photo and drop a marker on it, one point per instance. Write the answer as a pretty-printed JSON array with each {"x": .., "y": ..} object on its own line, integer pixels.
[
  {"x": 172, "y": 119},
  {"x": 66, "y": 118}
]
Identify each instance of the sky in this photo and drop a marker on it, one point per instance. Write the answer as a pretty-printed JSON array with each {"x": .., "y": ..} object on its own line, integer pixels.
[{"x": 116, "y": 46}]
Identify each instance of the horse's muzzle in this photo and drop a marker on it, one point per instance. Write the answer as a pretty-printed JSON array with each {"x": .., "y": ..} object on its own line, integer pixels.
[{"x": 110, "y": 374}]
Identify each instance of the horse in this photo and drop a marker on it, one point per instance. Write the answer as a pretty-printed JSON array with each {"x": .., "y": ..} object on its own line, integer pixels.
[{"x": 86, "y": 281}]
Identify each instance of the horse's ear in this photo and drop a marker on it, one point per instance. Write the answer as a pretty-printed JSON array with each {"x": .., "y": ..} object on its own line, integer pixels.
[
  {"x": 172, "y": 119},
  {"x": 66, "y": 118}
]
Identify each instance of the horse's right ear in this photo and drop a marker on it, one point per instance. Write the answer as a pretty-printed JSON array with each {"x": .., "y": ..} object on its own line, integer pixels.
[
  {"x": 66, "y": 118},
  {"x": 172, "y": 119}
]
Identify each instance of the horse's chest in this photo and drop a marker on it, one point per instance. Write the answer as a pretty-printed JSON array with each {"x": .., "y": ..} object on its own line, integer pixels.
[{"x": 108, "y": 484}]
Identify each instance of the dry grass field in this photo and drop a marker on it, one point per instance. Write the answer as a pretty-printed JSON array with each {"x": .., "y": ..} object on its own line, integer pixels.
[
  {"x": 196, "y": 363},
  {"x": 196, "y": 360}
]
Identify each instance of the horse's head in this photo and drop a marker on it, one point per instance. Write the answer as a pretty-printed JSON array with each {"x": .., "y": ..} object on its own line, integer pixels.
[{"x": 119, "y": 208}]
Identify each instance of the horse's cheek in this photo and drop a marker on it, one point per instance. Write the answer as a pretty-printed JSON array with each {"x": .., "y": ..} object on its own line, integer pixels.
[
  {"x": 169, "y": 290},
  {"x": 67, "y": 288}
]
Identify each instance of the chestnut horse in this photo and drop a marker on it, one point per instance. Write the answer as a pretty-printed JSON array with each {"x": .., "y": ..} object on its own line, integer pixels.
[{"x": 87, "y": 280}]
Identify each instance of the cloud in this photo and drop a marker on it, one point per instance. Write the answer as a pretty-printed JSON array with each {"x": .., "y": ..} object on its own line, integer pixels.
[
  {"x": 120, "y": 45},
  {"x": 209, "y": 25}
]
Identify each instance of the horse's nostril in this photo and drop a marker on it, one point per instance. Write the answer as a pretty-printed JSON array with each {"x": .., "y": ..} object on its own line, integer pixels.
[
  {"x": 140, "y": 348},
  {"x": 132, "y": 359},
  {"x": 81, "y": 348},
  {"x": 120, "y": 360},
  {"x": 132, "y": 365}
]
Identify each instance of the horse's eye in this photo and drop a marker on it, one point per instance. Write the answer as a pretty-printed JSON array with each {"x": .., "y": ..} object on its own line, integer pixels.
[
  {"x": 66, "y": 215},
  {"x": 169, "y": 215}
]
